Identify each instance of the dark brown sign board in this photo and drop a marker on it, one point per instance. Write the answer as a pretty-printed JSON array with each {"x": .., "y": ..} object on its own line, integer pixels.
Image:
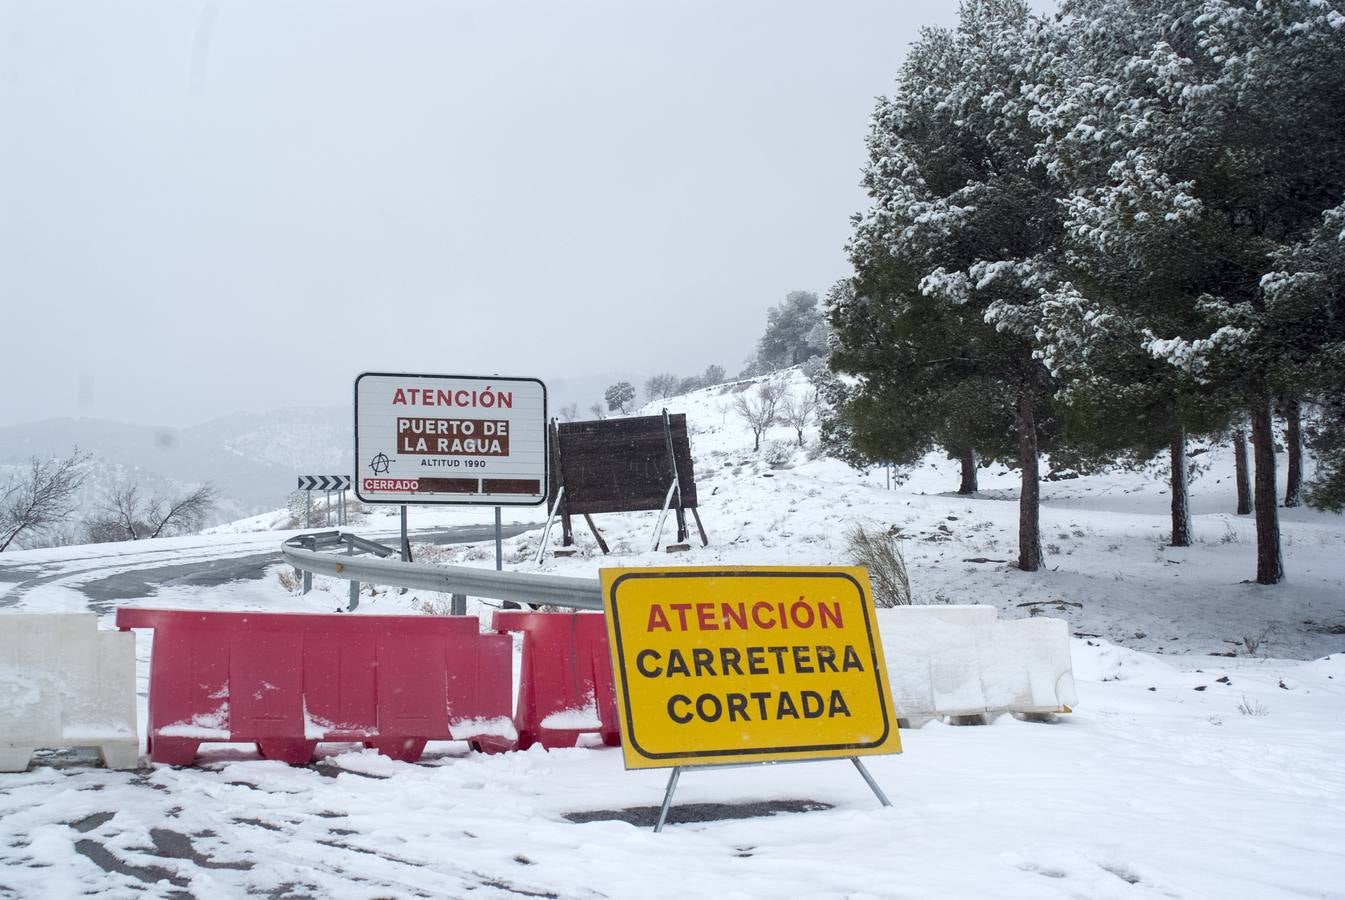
[{"x": 621, "y": 465}]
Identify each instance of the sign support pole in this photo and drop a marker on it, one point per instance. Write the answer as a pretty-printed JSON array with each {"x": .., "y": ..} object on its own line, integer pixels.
[
  {"x": 546, "y": 532},
  {"x": 677, "y": 479},
  {"x": 667, "y": 501},
  {"x": 499, "y": 546},
  {"x": 667, "y": 798},
  {"x": 676, "y": 774},
  {"x": 873, "y": 785},
  {"x": 406, "y": 542}
]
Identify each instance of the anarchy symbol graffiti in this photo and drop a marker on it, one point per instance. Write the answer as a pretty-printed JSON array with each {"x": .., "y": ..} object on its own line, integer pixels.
[{"x": 379, "y": 464}]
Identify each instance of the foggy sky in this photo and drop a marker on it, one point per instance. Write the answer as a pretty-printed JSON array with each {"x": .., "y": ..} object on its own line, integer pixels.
[{"x": 209, "y": 207}]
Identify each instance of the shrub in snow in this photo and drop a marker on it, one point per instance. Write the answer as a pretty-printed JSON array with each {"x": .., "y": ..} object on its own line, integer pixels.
[
  {"x": 1252, "y": 707},
  {"x": 880, "y": 553},
  {"x": 777, "y": 454}
]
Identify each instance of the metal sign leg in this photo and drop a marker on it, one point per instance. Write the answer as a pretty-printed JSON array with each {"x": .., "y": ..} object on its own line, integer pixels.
[
  {"x": 406, "y": 541},
  {"x": 546, "y": 532},
  {"x": 873, "y": 785},
  {"x": 667, "y": 798},
  {"x": 354, "y": 585},
  {"x": 499, "y": 544},
  {"x": 667, "y": 501}
]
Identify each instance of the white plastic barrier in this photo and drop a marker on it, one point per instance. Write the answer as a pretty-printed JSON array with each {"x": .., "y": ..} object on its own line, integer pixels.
[
  {"x": 64, "y": 683},
  {"x": 963, "y": 661},
  {"x": 1026, "y": 667}
]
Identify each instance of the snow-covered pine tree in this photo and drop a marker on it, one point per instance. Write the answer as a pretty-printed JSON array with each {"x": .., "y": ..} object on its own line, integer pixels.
[
  {"x": 922, "y": 382},
  {"x": 1220, "y": 121},
  {"x": 958, "y": 242},
  {"x": 1314, "y": 270},
  {"x": 788, "y": 339},
  {"x": 1122, "y": 404}
]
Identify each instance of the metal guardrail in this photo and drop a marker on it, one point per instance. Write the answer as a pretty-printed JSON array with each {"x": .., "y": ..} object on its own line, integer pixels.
[
  {"x": 325, "y": 540},
  {"x": 304, "y": 553}
]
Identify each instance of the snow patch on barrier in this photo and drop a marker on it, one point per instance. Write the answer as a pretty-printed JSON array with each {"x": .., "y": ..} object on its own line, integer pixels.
[
  {"x": 498, "y": 726},
  {"x": 582, "y": 719},
  {"x": 964, "y": 660},
  {"x": 64, "y": 683},
  {"x": 211, "y": 726}
]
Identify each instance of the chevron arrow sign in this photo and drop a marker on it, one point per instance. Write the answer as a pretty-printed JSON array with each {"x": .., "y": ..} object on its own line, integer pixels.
[{"x": 324, "y": 482}]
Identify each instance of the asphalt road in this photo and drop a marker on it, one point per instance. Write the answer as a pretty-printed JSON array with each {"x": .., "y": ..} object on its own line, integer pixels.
[{"x": 206, "y": 572}]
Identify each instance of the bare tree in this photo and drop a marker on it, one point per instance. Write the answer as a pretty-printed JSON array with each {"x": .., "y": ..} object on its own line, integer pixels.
[
  {"x": 658, "y": 387},
  {"x": 42, "y": 499},
  {"x": 689, "y": 384},
  {"x": 183, "y": 515},
  {"x": 759, "y": 414},
  {"x": 129, "y": 515},
  {"x": 121, "y": 518},
  {"x": 598, "y": 411},
  {"x": 569, "y": 412},
  {"x": 798, "y": 412}
]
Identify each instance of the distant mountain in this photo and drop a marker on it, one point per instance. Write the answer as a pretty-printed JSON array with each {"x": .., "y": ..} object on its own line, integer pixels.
[
  {"x": 252, "y": 458},
  {"x": 313, "y": 440}
]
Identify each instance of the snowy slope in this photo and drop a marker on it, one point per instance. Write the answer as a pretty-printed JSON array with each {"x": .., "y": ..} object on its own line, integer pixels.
[
  {"x": 1104, "y": 536},
  {"x": 1181, "y": 774}
]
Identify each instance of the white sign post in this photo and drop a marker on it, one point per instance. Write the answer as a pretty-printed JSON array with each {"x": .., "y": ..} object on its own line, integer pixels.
[{"x": 456, "y": 439}]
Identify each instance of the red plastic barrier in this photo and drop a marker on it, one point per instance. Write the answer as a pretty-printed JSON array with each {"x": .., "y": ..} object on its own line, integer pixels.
[
  {"x": 286, "y": 681},
  {"x": 565, "y": 680}
]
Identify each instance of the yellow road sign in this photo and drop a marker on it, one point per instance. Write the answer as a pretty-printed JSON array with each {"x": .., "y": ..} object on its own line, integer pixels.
[{"x": 747, "y": 664}]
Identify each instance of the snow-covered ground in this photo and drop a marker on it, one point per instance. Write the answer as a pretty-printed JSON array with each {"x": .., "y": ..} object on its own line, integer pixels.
[{"x": 1202, "y": 761}]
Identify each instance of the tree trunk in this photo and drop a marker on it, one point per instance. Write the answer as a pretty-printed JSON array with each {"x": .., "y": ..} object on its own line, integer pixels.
[
  {"x": 1181, "y": 508},
  {"x": 1240, "y": 468},
  {"x": 1029, "y": 531},
  {"x": 1293, "y": 438},
  {"x": 1269, "y": 562},
  {"x": 968, "y": 459}
]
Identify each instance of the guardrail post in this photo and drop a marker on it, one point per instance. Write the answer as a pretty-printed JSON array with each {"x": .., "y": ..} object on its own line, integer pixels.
[
  {"x": 308, "y": 582},
  {"x": 354, "y": 585},
  {"x": 457, "y": 605}
]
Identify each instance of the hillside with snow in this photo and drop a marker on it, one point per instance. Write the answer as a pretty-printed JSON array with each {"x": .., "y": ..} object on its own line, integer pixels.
[
  {"x": 1108, "y": 568},
  {"x": 1201, "y": 762}
]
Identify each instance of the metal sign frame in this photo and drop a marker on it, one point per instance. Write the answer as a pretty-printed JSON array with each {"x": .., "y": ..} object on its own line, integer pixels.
[
  {"x": 485, "y": 472},
  {"x": 621, "y": 465}
]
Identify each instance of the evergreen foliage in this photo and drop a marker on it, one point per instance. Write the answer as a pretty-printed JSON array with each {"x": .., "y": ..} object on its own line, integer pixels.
[
  {"x": 951, "y": 257},
  {"x": 792, "y": 333},
  {"x": 1100, "y": 234},
  {"x": 619, "y": 396},
  {"x": 1202, "y": 142}
]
